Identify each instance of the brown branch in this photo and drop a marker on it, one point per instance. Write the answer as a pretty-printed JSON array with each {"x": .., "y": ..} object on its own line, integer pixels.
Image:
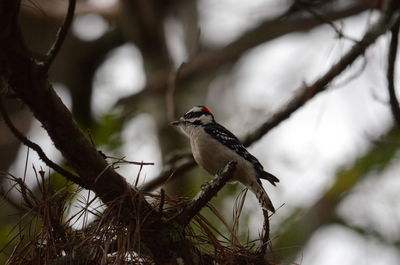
[
  {"x": 207, "y": 193},
  {"x": 268, "y": 30},
  {"x": 70, "y": 176},
  {"x": 61, "y": 35},
  {"x": 30, "y": 84},
  {"x": 308, "y": 92},
  {"x": 317, "y": 15},
  {"x": 305, "y": 222},
  {"x": 394, "y": 103}
]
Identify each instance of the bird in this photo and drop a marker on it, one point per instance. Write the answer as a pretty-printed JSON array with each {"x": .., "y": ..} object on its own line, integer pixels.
[{"x": 213, "y": 146}]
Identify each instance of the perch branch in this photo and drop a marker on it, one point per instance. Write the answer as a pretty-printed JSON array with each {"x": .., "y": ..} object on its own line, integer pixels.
[
  {"x": 205, "y": 195},
  {"x": 394, "y": 103},
  {"x": 72, "y": 177},
  {"x": 61, "y": 35}
]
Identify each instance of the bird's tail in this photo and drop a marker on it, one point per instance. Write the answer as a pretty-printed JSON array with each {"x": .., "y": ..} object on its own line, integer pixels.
[
  {"x": 262, "y": 196},
  {"x": 268, "y": 176}
]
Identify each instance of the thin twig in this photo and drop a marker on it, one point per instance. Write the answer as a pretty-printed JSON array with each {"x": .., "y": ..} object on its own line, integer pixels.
[
  {"x": 394, "y": 103},
  {"x": 8, "y": 199},
  {"x": 317, "y": 15},
  {"x": 138, "y": 176},
  {"x": 265, "y": 240},
  {"x": 26, "y": 194},
  {"x": 72, "y": 177},
  {"x": 61, "y": 35},
  {"x": 168, "y": 172},
  {"x": 206, "y": 194},
  {"x": 162, "y": 201},
  {"x": 122, "y": 160},
  {"x": 239, "y": 203},
  {"x": 170, "y": 93},
  {"x": 17, "y": 246}
]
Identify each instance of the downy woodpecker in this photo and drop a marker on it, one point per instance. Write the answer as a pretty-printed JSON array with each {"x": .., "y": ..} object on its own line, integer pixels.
[{"x": 213, "y": 146}]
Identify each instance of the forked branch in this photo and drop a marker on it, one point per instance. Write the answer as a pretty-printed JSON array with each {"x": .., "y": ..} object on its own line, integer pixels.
[{"x": 61, "y": 35}]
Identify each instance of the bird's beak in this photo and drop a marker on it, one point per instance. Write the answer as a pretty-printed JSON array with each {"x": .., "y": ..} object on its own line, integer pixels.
[{"x": 175, "y": 123}]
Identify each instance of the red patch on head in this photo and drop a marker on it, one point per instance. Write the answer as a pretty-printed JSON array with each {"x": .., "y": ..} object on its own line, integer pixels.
[{"x": 207, "y": 110}]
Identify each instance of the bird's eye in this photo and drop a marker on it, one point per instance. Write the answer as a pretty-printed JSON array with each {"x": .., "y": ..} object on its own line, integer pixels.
[{"x": 189, "y": 115}]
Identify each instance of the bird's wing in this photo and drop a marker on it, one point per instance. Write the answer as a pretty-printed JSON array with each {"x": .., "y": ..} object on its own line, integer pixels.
[{"x": 220, "y": 133}]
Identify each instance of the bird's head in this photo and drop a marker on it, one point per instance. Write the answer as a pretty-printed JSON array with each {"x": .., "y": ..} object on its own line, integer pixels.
[{"x": 196, "y": 116}]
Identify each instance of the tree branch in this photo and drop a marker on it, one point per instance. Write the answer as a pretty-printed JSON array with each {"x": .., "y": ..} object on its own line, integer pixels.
[
  {"x": 304, "y": 222},
  {"x": 61, "y": 35},
  {"x": 394, "y": 103},
  {"x": 268, "y": 30},
  {"x": 70, "y": 176},
  {"x": 308, "y": 92},
  {"x": 205, "y": 195},
  {"x": 30, "y": 84}
]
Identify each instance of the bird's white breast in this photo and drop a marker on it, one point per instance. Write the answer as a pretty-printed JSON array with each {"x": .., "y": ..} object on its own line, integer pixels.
[{"x": 213, "y": 156}]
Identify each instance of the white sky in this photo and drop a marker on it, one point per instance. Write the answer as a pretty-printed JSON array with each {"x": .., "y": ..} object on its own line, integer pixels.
[{"x": 304, "y": 151}]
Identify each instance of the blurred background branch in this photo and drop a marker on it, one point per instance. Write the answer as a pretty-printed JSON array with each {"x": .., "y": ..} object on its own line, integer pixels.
[
  {"x": 61, "y": 35},
  {"x": 299, "y": 227},
  {"x": 394, "y": 103}
]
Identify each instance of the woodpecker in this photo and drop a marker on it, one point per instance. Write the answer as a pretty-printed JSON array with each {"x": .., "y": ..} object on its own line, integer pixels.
[{"x": 213, "y": 146}]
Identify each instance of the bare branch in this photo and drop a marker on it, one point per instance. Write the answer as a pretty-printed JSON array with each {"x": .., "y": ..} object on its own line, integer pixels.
[
  {"x": 31, "y": 85},
  {"x": 394, "y": 103},
  {"x": 375, "y": 161},
  {"x": 122, "y": 160},
  {"x": 72, "y": 177},
  {"x": 267, "y": 30},
  {"x": 317, "y": 15},
  {"x": 25, "y": 77},
  {"x": 170, "y": 93},
  {"x": 308, "y": 92},
  {"x": 205, "y": 195},
  {"x": 61, "y": 34}
]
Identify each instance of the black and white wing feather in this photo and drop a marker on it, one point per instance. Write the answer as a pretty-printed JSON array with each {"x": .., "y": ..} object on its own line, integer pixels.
[{"x": 227, "y": 138}]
